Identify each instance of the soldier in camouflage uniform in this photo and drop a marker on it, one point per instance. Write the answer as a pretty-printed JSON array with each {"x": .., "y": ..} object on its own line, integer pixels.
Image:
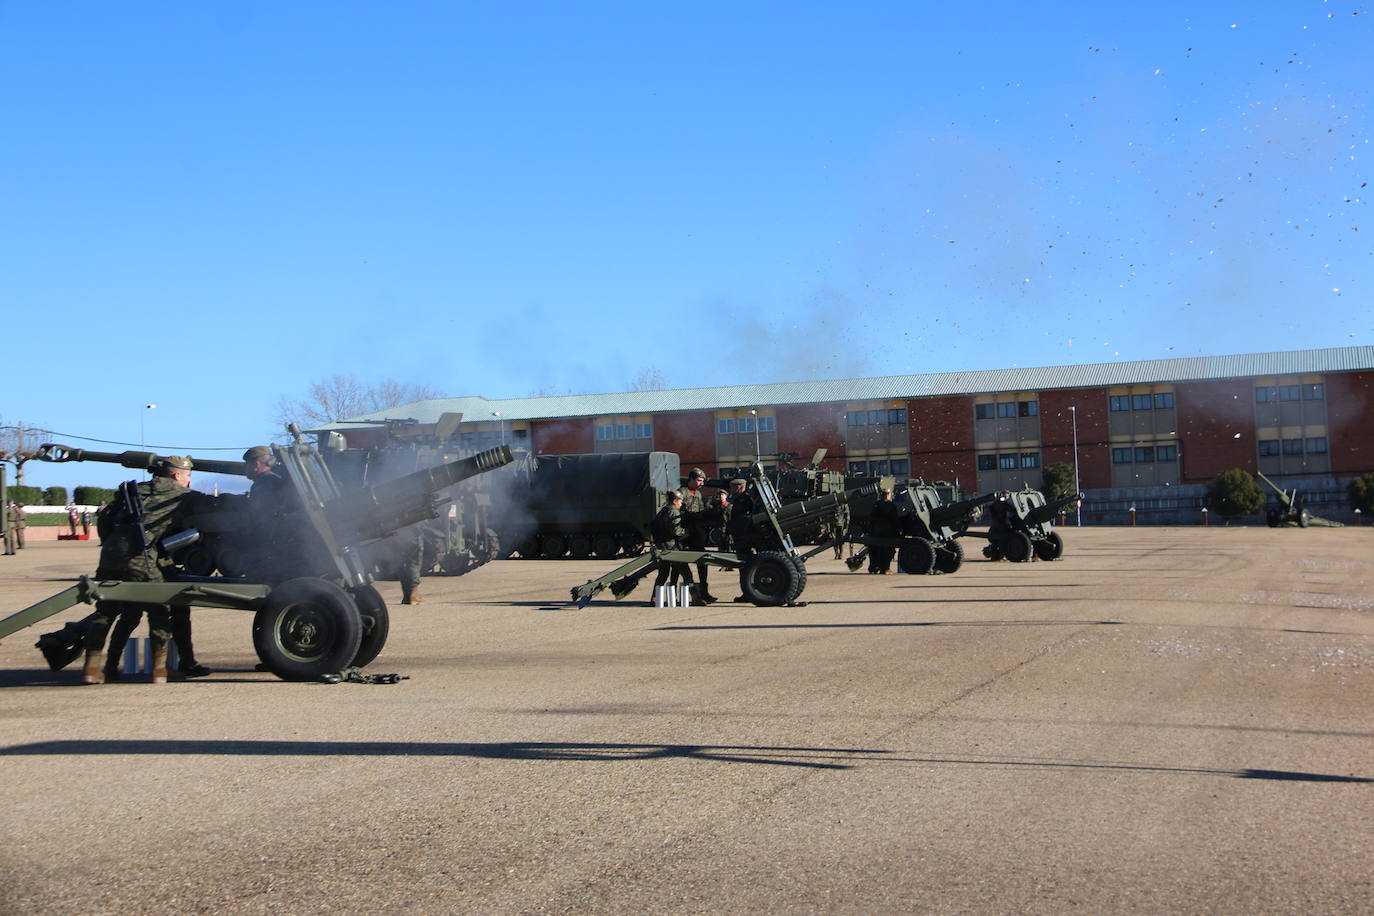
[
  {"x": 697, "y": 519},
  {"x": 128, "y": 552}
]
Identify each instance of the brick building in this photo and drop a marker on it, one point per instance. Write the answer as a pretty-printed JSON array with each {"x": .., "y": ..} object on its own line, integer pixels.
[{"x": 1151, "y": 433}]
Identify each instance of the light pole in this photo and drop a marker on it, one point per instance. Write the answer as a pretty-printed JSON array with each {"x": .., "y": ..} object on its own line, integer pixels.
[
  {"x": 142, "y": 435},
  {"x": 501, "y": 424},
  {"x": 1073, "y": 412},
  {"x": 758, "y": 458}
]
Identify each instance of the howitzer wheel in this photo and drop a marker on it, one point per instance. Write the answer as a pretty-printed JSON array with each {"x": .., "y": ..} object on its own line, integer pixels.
[
  {"x": 800, "y": 566},
  {"x": 580, "y": 546},
  {"x": 1051, "y": 547},
  {"x": 605, "y": 546},
  {"x": 376, "y": 623},
  {"x": 1017, "y": 547},
  {"x": 1303, "y": 518},
  {"x": 916, "y": 557},
  {"x": 1272, "y": 518},
  {"x": 632, "y": 542},
  {"x": 769, "y": 579},
  {"x": 552, "y": 546},
  {"x": 308, "y": 628},
  {"x": 949, "y": 556}
]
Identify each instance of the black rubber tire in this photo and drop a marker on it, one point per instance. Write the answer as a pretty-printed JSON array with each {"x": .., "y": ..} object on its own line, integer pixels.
[
  {"x": 529, "y": 548},
  {"x": 916, "y": 557},
  {"x": 307, "y": 628},
  {"x": 800, "y": 566},
  {"x": 769, "y": 579},
  {"x": 949, "y": 556},
  {"x": 1017, "y": 547},
  {"x": 552, "y": 546},
  {"x": 992, "y": 551},
  {"x": 376, "y": 621},
  {"x": 632, "y": 542},
  {"x": 605, "y": 546},
  {"x": 197, "y": 560},
  {"x": 1051, "y": 547},
  {"x": 1303, "y": 518},
  {"x": 580, "y": 546},
  {"x": 1272, "y": 518}
]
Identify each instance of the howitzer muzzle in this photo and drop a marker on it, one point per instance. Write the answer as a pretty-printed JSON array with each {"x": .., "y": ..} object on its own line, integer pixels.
[{"x": 145, "y": 461}]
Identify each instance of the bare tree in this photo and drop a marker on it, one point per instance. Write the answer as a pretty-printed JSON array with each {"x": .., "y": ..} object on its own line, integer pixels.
[
  {"x": 341, "y": 397},
  {"x": 648, "y": 379},
  {"x": 19, "y": 443}
]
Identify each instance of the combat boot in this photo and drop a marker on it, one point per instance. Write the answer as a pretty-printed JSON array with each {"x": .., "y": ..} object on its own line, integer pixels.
[
  {"x": 93, "y": 673},
  {"x": 160, "y": 666},
  {"x": 412, "y": 596}
]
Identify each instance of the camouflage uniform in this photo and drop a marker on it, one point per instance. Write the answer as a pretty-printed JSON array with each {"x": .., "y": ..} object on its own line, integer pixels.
[
  {"x": 668, "y": 533},
  {"x": 697, "y": 517}
]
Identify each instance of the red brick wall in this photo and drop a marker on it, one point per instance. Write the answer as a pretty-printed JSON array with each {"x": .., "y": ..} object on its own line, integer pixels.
[
  {"x": 1094, "y": 441},
  {"x": 691, "y": 435},
  {"x": 563, "y": 437},
  {"x": 942, "y": 439},
  {"x": 1216, "y": 431},
  {"x": 1350, "y": 422},
  {"x": 803, "y": 428}
]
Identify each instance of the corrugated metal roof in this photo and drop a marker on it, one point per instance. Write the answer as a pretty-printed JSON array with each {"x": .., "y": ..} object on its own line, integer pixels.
[{"x": 983, "y": 381}]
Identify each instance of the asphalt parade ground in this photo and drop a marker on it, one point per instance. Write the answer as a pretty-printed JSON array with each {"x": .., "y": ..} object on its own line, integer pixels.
[{"x": 1165, "y": 721}]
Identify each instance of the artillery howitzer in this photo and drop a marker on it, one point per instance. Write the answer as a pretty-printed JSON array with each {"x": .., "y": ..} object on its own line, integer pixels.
[
  {"x": 1292, "y": 509},
  {"x": 774, "y": 575},
  {"x": 297, "y": 565},
  {"x": 1021, "y": 526},
  {"x": 930, "y": 529}
]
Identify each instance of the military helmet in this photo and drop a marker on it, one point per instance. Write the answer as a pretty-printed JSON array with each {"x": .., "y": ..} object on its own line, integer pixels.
[
  {"x": 697, "y": 472},
  {"x": 256, "y": 452},
  {"x": 740, "y": 482},
  {"x": 176, "y": 463}
]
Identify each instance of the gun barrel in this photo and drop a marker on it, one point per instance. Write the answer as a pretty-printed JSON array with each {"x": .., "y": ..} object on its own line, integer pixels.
[
  {"x": 1041, "y": 514},
  {"x": 805, "y": 508},
  {"x": 1283, "y": 494},
  {"x": 144, "y": 461},
  {"x": 953, "y": 512}
]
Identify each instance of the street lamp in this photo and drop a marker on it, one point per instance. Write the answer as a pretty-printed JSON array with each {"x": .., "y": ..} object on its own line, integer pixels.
[
  {"x": 1073, "y": 412},
  {"x": 501, "y": 424},
  {"x": 757, "y": 457},
  {"x": 142, "y": 436}
]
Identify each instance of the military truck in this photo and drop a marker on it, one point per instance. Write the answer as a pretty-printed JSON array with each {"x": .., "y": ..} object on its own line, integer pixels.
[{"x": 301, "y": 571}]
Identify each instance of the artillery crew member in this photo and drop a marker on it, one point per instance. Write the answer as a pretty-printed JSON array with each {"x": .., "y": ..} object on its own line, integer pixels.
[
  {"x": 697, "y": 518},
  {"x": 668, "y": 532},
  {"x": 17, "y": 526},
  {"x": 130, "y": 527},
  {"x": 740, "y": 526},
  {"x": 883, "y": 522}
]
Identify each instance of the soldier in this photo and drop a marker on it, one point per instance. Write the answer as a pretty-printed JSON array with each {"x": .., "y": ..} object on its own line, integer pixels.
[
  {"x": 8, "y": 534},
  {"x": 129, "y": 535},
  {"x": 270, "y": 499},
  {"x": 697, "y": 518},
  {"x": 883, "y": 522},
  {"x": 412, "y": 546},
  {"x": 17, "y": 526},
  {"x": 668, "y": 532},
  {"x": 739, "y": 526}
]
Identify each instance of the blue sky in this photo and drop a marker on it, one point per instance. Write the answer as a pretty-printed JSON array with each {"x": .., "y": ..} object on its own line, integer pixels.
[{"x": 208, "y": 205}]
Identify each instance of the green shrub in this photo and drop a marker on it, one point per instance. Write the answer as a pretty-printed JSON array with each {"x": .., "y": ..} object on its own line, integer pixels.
[
  {"x": 55, "y": 496},
  {"x": 26, "y": 496},
  {"x": 93, "y": 496},
  {"x": 1057, "y": 481},
  {"x": 1234, "y": 493}
]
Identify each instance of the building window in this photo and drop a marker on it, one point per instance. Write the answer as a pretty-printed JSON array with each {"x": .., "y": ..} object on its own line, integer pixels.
[
  {"x": 1166, "y": 453},
  {"x": 1028, "y": 408},
  {"x": 1121, "y": 456},
  {"x": 1164, "y": 400},
  {"x": 877, "y": 468},
  {"x": 725, "y": 427},
  {"x": 1120, "y": 402},
  {"x": 644, "y": 430},
  {"x": 896, "y": 417},
  {"x": 1030, "y": 459},
  {"x": 746, "y": 424},
  {"x": 767, "y": 424},
  {"x": 1268, "y": 448},
  {"x": 520, "y": 434},
  {"x": 856, "y": 417},
  {"x": 604, "y": 433},
  {"x": 624, "y": 431},
  {"x": 1316, "y": 445},
  {"x": 1144, "y": 453},
  {"x": 1313, "y": 392},
  {"x": 1265, "y": 395},
  {"x": 901, "y": 466},
  {"x": 875, "y": 418},
  {"x": 1290, "y": 392},
  {"x": 1140, "y": 402},
  {"x": 858, "y": 468},
  {"x": 1006, "y": 409},
  {"x": 984, "y": 411},
  {"x": 1006, "y": 462},
  {"x": 1292, "y": 446},
  {"x": 987, "y": 462}
]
